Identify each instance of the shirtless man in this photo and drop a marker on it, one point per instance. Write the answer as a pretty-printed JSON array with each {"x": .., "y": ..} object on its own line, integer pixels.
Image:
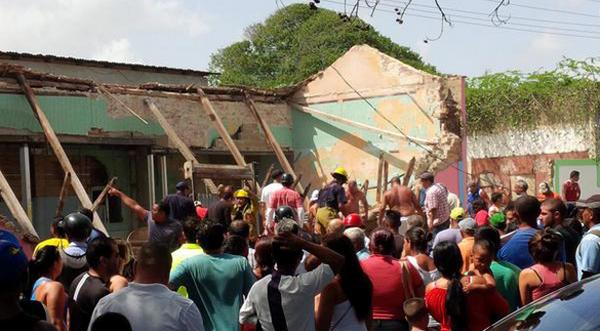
[
  {"x": 355, "y": 196},
  {"x": 401, "y": 199}
]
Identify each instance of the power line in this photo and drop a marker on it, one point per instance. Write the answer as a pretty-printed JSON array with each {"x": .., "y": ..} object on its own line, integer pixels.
[{"x": 561, "y": 11}]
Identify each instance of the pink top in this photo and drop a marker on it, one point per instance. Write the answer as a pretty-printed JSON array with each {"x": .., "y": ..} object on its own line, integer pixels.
[
  {"x": 551, "y": 281},
  {"x": 482, "y": 218}
]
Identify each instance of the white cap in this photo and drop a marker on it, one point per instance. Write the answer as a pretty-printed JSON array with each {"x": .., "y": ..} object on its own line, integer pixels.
[{"x": 314, "y": 196}]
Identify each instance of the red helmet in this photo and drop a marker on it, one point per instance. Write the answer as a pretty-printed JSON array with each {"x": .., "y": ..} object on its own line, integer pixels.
[{"x": 352, "y": 221}]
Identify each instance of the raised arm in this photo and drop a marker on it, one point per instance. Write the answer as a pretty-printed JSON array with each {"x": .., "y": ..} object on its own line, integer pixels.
[
  {"x": 324, "y": 254},
  {"x": 139, "y": 211}
]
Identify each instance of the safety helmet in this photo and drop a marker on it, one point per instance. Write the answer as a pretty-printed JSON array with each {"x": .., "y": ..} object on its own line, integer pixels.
[
  {"x": 352, "y": 221},
  {"x": 287, "y": 179},
  {"x": 284, "y": 212},
  {"x": 77, "y": 226},
  {"x": 340, "y": 171},
  {"x": 242, "y": 194}
]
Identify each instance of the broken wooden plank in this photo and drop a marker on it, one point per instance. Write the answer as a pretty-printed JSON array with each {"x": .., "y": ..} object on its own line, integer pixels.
[
  {"x": 102, "y": 195},
  {"x": 104, "y": 91},
  {"x": 386, "y": 169},
  {"x": 409, "y": 171},
  {"x": 58, "y": 150},
  {"x": 306, "y": 190},
  {"x": 265, "y": 181},
  {"x": 285, "y": 164},
  {"x": 223, "y": 171},
  {"x": 365, "y": 186},
  {"x": 15, "y": 207},
  {"x": 61, "y": 196},
  {"x": 379, "y": 177},
  {"x": 179, "y": 144}
]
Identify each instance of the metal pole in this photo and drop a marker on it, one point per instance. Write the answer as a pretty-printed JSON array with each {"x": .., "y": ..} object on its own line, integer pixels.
[
  {"x": 25, "y": 179},
  {"x": 162, "y": 163},
  {"x": 151, "y": 190}
]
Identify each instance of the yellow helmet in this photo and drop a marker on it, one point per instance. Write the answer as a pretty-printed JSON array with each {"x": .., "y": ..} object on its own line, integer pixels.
[
  {"x": 340, "y": 171},
  {"x": 242, "y": 194}
]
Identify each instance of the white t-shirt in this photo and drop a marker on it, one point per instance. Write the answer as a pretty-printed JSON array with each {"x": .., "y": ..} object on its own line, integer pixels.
[
  {"x": 297, "y": 299},
  {"x": 265, "y": 196},
  {"x": 151, "y": 307}
]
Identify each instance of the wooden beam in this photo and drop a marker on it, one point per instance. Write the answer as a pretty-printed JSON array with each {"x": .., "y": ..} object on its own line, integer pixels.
[
  {"x": 59, "y": 151},
  {"x": 104, "y": 91},
  {"x": 306, "y": 190},
  {"x": 365, "y": 186},
  {"x": 265, "y": 181},
  {"x": 285, "y": 164},
  {"x": 179, "y": 144},
  {"x": 15, "y": 207},
  {"x": 297, "y": 182},
  {"x": 102, "y": 195},
  {"x": 409, "y": 171},
  {"x": 61, "y": 196},
  {"x": 223, "y": 171},
  {"x": 397, "y": 135},
  {"x": 379, "y": 178},
  {"x": 386, "y": 169}
]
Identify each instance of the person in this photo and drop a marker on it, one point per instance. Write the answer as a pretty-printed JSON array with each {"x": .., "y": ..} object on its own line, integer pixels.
[
  {"x": 356, "y": 199},
  {"x": 416, "y": 314},
  {"x": 190, "y": 247},
  {"x": 515, "y": 250},
  {"x": 505, "y": 274},
  {"x": 345, "y": 304},
  {"x": 332, "y": 199},
  {"x": 118, "y": 281},
  {"x": 181, "y": 206},
  {"x": 547, "y": 274},
  {"x": 263, "y": 256},
  {"x": 95, "y": 233},
  {"x": 496, "y": 207},
  {"x": 473, "y": 193},
  {"x": 77, "y": 228},
  {"x": 401, "y": 199},
  {"x": 391, "y": 222},
  {"x": 357, "y": 237},
  {"x": 510, "y": 215},
  {"x": 481, "y": 214},
  {"x": 571, "y": 192},
  {"x": 245, "y": 209},
  {"x": 268, "y": 190},
  {"x": 313, "y": 206},
  {"x": 353, "y": 221},
  {"x": 545, "y": 192},
  {"x": 88, "y": 288},
  {"x": 467, "y": 231},
  {"x": 201, "y": 211},
  {"x": 286, "y": 196},
  {"x": 552, "y": 214},
  {"x": 587, "y": 254},
  {"x": 221, "y": 210},
  {"x": 481, "y": 259},
  {"x": 453, "y": 200},
  {"x": 453, "y": 232},
  {"x": 393, "y": 282},
  {"x": 447, "y": 301},
  {"x": 520, "y": 188},
  {"x": 147, "y": 302},
  {"x": 242, "y": 229},
  {"x": 284, "y": 300},
  {"x": 44, "y": 270},
  {"x": 111, "y": 322},
  {"x": 415, "y": 252},
  {"x": 58, "y": 237},
  {"x": 335, "y": 227},
  {"x": 215, "y": 281},
  {"x": 498, "y": 222},
  {"x": 236, "y": 245},
  {"x": 161, "y": 227},
  {"x": 437, "y": 209},
  {"x": 12, "y": 283}
]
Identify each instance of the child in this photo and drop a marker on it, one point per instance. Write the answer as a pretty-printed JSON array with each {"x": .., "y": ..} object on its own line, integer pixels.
[
  {"x": 481, "y": 274},
  {"x": 416, "y": 314}
]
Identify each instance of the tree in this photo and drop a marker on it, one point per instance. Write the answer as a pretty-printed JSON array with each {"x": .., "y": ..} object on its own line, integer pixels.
[{"x": 296, "y": 42}]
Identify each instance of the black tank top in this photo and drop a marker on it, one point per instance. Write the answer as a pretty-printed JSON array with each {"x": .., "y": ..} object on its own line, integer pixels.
[{"x": 21, "y": 321}]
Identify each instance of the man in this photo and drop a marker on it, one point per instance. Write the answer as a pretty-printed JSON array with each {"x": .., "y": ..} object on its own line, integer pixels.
[
  {"x": 520, "y": 188},
  {"x": 265, "y": 194},
  {"x": 88, "y": 288},
  {"x": 77, "y": 228},
  {"x": 401, "y": 199},
  {"x": 161, "y": 228},
  {"x": 332, "y": 199},
  {"x": 453, "y": 233},
  {"x": 357, "y": 237},
  {"x": 284, "y": 300},
  {"x": 181, "y": 206},
  {"x": 552, "y": 214},
  {"x": 59, "y": 237},
  {"x": 516, "y": 249},
  {"x": 242, "y": 230},
  {"x": 437, "y": 209},
  {"x": 245, "y": 209},
  {"x": 356, "y": 199},
  {"x": 588, "y": 252},
  {"x": 190, "y": 247},
  {"x": 147, "y": 302},
  {"x": 335, "y": 227},
  {"x": 215, "y": 281},
  {"x": 221, "y": 210},
  {"x": 286, "y": 196},
  {"x": 473, "y": 194},
  {"x": 391, "y": 221},
  {"x": 467, "y": 230},
  {"x": 416, "y": 314},
  {"x": 546, "y": 193},
  {"x": 570, "y": 188}
]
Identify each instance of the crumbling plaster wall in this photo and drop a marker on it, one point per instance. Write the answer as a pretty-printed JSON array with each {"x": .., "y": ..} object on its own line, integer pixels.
[{"x": 421, "y": 105}]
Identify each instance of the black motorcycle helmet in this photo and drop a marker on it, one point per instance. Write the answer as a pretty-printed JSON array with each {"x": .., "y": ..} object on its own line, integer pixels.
[
  {"x": 287, "y": 180},
  {"x": 284, "y": 212},
  {"x": 77, "y": 226}
]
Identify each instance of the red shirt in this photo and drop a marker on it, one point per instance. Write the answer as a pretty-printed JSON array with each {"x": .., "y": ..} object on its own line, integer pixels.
[
  {"x": 285, "y": 197},
  {"x": 571, "y": 190},
  {"x": 483, "y": 308},
  {"x": 201, "y": 212},
  {"x": 388, "y": 293},
  {"x": 482, "y": 218}
]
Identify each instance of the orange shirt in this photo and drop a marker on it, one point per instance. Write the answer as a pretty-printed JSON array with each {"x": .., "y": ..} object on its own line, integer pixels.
[{"x": 553, "y": 195}]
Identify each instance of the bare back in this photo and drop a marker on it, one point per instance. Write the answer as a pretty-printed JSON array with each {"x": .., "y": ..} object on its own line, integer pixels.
[{"x": 401, "y": 199}]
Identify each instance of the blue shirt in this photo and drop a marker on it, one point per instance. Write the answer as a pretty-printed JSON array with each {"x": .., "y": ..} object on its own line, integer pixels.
[
  {"x": 516, "y": 250},
  {"x": 588, "y": 253},
  {"x": 363, "y": 254}
]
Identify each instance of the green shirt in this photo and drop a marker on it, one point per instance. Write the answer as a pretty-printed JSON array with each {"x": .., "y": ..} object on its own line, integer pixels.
[
  {"x": 216, "y": 283},
  {"x": 507, "y": 282}
]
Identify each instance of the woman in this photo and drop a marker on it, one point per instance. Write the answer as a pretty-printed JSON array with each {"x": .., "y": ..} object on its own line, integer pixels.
[
  {"x": 117, "y": 281},
  {"x": 393, "y": 282},
  {"x": 415, "y": 252},
  {"x": 345, "y": 304},
  {"x": 547, "y": 274},
  {"x": 263, "y": 256},
  {"x": 448, "y": 303},
  {"x": 45, "y": 269}
]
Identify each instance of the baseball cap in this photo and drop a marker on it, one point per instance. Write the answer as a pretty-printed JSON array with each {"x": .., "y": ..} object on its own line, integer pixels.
[
  {"x": 8, "y": 236},
  {"x": 457, "y": 213},
  {"x": 182, "y": 186},
  {"x": 498, "y": 220},
  {"x": 592, "y": 202},
  {"x": 426, "y": 176},
  {"x": 468, "y": 225},
  {"x": 11, "y": 255},
  {"x": 314, "y": 196}
]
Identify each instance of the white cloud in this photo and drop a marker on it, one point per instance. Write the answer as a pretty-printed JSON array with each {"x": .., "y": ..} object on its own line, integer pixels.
[{"x": 116, "y": 51}]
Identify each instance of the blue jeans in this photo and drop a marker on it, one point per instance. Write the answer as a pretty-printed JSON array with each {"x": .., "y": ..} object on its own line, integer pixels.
[{"x": 389, "y": 325}]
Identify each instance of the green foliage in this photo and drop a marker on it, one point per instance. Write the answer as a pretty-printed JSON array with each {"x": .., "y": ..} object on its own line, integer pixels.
[
  {"x": 500, "y": 101},
  {"x": 296, "y": 42}
]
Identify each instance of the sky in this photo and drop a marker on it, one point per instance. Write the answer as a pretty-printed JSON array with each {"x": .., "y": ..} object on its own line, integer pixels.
[{"x": 184, "y": 33}]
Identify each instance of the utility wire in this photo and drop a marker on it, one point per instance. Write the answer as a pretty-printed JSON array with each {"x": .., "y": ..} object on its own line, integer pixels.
[{"x": 561, "y": 11}]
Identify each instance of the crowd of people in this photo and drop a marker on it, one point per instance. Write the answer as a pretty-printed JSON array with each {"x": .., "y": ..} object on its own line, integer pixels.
[{"x": 265, "y": 262}]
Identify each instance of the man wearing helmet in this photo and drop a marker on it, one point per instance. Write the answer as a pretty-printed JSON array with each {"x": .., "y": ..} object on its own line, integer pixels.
[
  {"x": 332, "y": 199},
  {"x": 245, "y": 209},
  {"x": 286, "y": 196},
  {"x": 77, "y": 228}
]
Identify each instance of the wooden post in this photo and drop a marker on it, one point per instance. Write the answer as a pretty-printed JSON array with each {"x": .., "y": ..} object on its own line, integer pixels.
[
  {"x": 297, "y": 182},
  {"x": 102, "y": 195},
  {"x": 179, "y": 144},
  {"x": 102, "y": 90},
  {"x": 306, "y": 190},
  {"x": 365, "y": 186},
  {"x": 15, "y": 207},
  {"x": 265, "y": 181},
  {"x": 58, "y": 150},
  {"x": 285, "y": 164},
  {"x": 61, "y": 196},
  {"x": 379, "y": 179},
  {"x": 409, "y": 171},
  {"x": 386, "y": 169}
]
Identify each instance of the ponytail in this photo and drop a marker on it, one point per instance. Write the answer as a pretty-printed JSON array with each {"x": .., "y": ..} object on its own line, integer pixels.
[
  {"x": 42, "y": 263},
  {"x": 456, "y": 304}
]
